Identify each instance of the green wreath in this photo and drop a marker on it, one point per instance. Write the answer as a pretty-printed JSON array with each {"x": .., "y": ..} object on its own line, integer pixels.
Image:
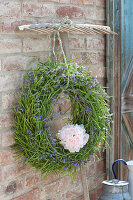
[{"x": 33, "y": 136}]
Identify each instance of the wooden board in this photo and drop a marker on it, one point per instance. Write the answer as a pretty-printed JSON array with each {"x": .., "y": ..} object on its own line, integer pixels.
[
  {"x": 122, "y": 76},
  {"x": 73, "y": 28},
  {"x": 127, "y": 78}
]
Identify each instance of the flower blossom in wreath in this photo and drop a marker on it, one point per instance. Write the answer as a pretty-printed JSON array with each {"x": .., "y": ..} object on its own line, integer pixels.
[{"x": 73, "y": 137}]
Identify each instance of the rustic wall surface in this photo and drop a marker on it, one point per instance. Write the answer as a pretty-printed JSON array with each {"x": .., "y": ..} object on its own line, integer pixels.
[{"x": 17, "y": 49}]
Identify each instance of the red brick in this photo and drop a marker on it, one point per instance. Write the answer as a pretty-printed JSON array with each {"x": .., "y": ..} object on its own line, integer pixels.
[
  {"x": 0, "y": 65},
  {"x": 100, "y": 14},
  {"x": 45, "y": 181},
  {"x": 7, "y": 139},
  {"x": 99, "y": 191},
  {"x": 56, "y": 107},
  {"x": 91, "y": 170},
  {"x": 5, "y": 120},
  {"x": 91, "y": 183},
  {"x": 58, "y": 123},
  {"x": 20, "y": 62},
  {"x": 79, "y": 56},
  {"x": 81, "y": 198},
  {"x": 90, "y": 2},
  {"x": 89, "y": 13},
  {"x": 97, "y": 58},
  {"x": 1, "y": 26},
  {"x": 78, "y": 1},
  {"x": 38, "y": 10},
  {"x": 92, "y": 195},
  {"x": 30, "y": 62},
  {"x": 100, "y": 166},
  {"x": 28, "y": 169},
  {"x": 76, "y": 43},
  {"x": 78, "y": 177},
  {"x": 8, "y": 98},
  {"x": 6, "y": 157},
  {"x": 64, "y": 107},
  {"x": 49, "y": 0},
  {"x": 10, "y": 81},
  {"x": 87, "y": 2},
  {"x": 35, "y": 44},
  {"x": 75, "y": 192},
  {"x": 14, "y": 170},
  {"x": 11, "y": 189},
  {"x": 102, "y": 82},
  {"x": 59, "y": 185},
  {"x": 93, "y": 57},
  {"x": 101, "y": 3},
  {"x": 52, "y": 177},
  {"x": 0, "y": 139},
  {"x": 13, "y": 63},
  {"x": 64, "y": 1},
  {"x": 55, "y": 197},
  {"x": 99, "y": 179},
  {"x": 98, "y": 71},
  {"x": 101, "y": 57},
  {"x": 62, "y": 197},
  {"x": 0, "y": 175},
  {"x": 95, "y": 43},
  {"x": 10, "y": 9},
  {"x": 11, "y": 26},
  {"x": 51, "y": 196},
  {"x": 103, "y": 154},
  {"x": 32, "y": 180},
  {"x": 100, "y": 155},
  {"x": 10, "y": 46},
  {"x": 32, "y": 195},
  {"x": 71, "y": 12}
]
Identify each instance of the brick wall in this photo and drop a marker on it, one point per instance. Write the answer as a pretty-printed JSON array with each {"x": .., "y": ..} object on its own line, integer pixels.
[{"x": 17, "y": 49}]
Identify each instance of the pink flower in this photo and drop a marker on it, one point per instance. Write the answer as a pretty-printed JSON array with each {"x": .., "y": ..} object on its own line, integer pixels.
[{"x": 73, "y": 137}]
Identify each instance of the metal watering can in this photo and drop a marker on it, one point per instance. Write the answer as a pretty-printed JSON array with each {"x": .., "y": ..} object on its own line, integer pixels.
[
  {"x": 130, "y": 177},
  {"x": 118, "y": 190}
]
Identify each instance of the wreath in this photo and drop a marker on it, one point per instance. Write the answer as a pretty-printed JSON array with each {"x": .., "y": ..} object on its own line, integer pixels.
[{"x": 86, "y": 130}]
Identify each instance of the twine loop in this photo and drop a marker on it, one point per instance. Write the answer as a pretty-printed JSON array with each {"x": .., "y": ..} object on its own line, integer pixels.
[{"x": 65, "y": 22}]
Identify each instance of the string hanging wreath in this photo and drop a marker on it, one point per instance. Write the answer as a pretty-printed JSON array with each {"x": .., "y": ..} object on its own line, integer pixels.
[{"x": 88, "y": 125}]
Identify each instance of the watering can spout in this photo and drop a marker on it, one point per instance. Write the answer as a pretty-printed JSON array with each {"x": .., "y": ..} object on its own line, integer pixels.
[{"x": 113, "y": 166}]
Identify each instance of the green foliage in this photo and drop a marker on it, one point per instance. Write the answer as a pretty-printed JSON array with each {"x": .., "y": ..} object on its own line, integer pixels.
[{"x": 89, "y": 106}]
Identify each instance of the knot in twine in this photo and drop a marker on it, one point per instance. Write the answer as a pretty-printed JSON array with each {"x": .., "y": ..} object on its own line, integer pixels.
[{"x": 65, "y": 22}]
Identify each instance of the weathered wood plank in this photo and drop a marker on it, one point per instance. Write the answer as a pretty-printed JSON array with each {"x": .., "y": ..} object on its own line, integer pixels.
[
  {"x": 129, "y": 85},
  {"x": 127, "y": 81},
  {"x": 110, "y": 69},
  {"x": 117, "y": 86},
  {"x": 129, "y": 124},
  {"x": 75, "y": 28},
  {"x": 127, "y": 78},
  {"x": 127, "y": 104}
]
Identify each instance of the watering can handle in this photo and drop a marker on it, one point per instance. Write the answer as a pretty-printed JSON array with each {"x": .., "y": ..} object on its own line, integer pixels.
[{"x": 113, "y": 166}]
